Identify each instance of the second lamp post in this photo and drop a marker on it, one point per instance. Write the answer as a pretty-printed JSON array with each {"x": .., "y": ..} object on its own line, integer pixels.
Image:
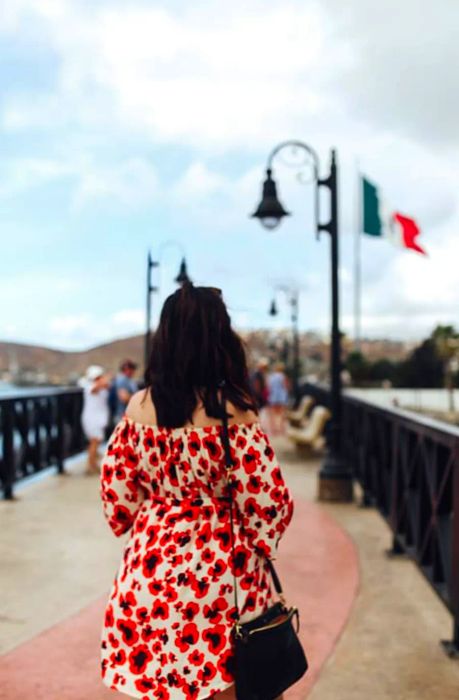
[
  {"x": 335, "y": 477},
  {"x": 292, "y": 297},
  {"x": 181, "y": 278}
]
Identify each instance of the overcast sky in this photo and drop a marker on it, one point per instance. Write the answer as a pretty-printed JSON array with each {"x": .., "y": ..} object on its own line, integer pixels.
[{"x": 133, "y": 125}]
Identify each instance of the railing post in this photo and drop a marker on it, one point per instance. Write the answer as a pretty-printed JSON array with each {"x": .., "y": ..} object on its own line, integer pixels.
[
  {"x": 8, "y": 475},
  {"x": 396, "y": 549},
  {"x": 60, "y": 443},
  {"x": 37, "y": 451},
  {"x": 451, "y": 647}
]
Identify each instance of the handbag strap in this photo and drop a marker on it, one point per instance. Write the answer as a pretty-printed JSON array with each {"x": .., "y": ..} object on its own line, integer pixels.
[{"x": 230, "y": 485}]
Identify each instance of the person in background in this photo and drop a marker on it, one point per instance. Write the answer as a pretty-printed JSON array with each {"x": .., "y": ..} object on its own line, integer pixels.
[
  {"x": 277, "y": 398},
  {"x": 125, "y": 387},
  {"x": 258, "y": 383},
  {"x": 95, "y": 414}
]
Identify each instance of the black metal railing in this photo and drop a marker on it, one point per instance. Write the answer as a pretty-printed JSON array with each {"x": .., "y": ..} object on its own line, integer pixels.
[
  {"x": 408, "y": 468},
  {"x": 38, "y": 430}
]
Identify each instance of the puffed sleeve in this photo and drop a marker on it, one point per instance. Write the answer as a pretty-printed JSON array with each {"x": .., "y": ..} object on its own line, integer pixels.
[
  {"x": 263, "y": 500},
  {"x": 121, "y": 491}
]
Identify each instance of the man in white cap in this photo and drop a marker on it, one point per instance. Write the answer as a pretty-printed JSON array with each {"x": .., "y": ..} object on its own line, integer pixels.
[{"x": 96, "y": 414}]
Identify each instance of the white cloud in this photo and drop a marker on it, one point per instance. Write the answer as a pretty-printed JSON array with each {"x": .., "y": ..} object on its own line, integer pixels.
[
  {"x": 69, "y": 324},
  {"x": 79, "y": 331},
  {"x": 198, "y": 182},
  {"x": 403, "y": 75},
  {"x": 22, "y": 174},
  {"x": 130, "y": 320},
  {"x": 130, "y": 183}
]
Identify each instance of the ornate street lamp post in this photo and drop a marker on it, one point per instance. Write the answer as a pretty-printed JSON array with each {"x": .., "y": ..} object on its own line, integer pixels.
[
  {"x": 181, "y": 278},
  {"x": 150, "y": 289},
  {"x": 293, "y": 299},
  {"x": 335, "y": 477}
]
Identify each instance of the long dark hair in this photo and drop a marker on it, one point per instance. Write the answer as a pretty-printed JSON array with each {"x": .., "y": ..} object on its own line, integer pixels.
[{"x": 193, "y": 350}]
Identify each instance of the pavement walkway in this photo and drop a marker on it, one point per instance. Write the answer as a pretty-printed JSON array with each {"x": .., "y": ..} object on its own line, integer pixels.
[{"x": 369, "y": 626}]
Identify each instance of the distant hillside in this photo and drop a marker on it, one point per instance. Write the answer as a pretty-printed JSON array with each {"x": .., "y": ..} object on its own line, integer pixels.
[
  {"x": 35, "y": 364},
  {"x": 59, "y": 366}
]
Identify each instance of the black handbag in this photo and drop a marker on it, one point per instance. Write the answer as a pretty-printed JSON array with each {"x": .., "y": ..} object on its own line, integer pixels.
[{"x": 269, "y": 657}]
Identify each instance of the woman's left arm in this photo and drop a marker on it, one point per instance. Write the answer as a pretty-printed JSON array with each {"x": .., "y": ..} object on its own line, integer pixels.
[
  {"x": 262, "y": 496},
  {"x": 121, "y": 491}
]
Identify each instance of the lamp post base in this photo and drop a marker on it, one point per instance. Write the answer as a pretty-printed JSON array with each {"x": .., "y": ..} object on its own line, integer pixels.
[{"x": 335, "y": 481}]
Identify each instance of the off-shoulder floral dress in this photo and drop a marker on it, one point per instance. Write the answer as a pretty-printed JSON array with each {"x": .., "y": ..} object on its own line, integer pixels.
[{"x": 169, "y": 617}]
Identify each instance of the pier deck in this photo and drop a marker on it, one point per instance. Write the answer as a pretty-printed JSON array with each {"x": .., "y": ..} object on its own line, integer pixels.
[{"x": 369, "y": 625}]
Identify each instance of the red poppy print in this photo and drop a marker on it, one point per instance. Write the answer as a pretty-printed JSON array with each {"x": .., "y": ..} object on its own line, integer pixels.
[
  {"x": 190, "y": 611},
  {"x": 194, "y": 443},
  {"x": 188, "y": 636},
  {"x": 129, "y": 632},
  {"x": 160, "y": 610},
  {"x": 139, "y": 658},
  {"x": 207, "y": 672},
  {"x": 217, "y": 570},
  {"x": 239, "y": 562},
  {"x": 161, "y": 692},
  {"x": 145, "y": 684},
  {"x": 204, "y": 535},
  {"x": 213, "y": 612},
  {"x": 215, "y": 637},
  {"x": 127, "y": 602},
  {"x": 225, "y": 665},
  {"x": 109, "y": 619},
  {"x": 152, "y": 558},
  {"x": 250, "y": 460},
  {"x": 118, "y": 658},
  {"x": 142, "y": 615},
  {"x": 152, "y": 534},
  {"x": 196, "y": 658}
]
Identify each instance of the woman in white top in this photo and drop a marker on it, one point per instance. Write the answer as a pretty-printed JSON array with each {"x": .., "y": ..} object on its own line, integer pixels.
[
  {"x": 96, "y": 414},
  {"x": 277, "y": 398}
]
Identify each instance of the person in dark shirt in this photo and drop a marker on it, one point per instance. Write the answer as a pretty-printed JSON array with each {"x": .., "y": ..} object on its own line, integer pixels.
[
  {"x": 259, "y": 383},
  {"x": 125, "y": 386}
]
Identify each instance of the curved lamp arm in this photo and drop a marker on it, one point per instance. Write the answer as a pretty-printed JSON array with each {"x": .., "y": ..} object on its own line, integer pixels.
[
  {"x": 157, "y": 263},
  {"x": 295, "y": 144},
  {"x": 315, "y": 168}
]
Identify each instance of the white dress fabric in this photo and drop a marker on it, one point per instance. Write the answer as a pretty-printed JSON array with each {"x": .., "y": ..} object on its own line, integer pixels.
[{"x": 95, "y": 414}]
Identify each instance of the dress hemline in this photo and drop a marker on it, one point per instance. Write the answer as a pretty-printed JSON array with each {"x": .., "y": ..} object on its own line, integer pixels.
[{"x": 137, "y": 694}]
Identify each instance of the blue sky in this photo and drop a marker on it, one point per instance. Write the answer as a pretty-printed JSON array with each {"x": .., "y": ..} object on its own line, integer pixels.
[{"x": 133, "y": 126}]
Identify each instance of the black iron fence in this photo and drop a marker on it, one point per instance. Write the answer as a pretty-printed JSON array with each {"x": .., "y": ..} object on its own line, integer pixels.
[
  {"x": 38, "y": 430},
  {"x": 408, "y": 468}
]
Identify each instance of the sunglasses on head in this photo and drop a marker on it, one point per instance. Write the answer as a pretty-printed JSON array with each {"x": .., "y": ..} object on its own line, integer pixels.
[{"x": 214, "y": 290}]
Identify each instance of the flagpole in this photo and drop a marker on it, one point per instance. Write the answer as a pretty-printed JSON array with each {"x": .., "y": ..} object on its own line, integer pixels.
[{"x": 357, "y": 260}]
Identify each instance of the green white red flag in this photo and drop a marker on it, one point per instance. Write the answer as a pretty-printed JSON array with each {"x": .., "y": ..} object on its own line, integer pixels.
[{"x": 378, "y": 219}]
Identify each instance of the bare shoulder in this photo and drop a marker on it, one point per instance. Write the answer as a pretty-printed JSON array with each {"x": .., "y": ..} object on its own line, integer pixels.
[
  {"x": 141, "y": 408},
  {"x": 239, "y": 416}
]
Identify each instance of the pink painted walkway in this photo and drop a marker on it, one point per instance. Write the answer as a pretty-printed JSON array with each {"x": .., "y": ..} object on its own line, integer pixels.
[{"x": 320, "y": 572}]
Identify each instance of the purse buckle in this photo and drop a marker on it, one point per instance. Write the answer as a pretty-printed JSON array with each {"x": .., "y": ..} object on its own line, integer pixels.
[{"x": 239, "y": 632}]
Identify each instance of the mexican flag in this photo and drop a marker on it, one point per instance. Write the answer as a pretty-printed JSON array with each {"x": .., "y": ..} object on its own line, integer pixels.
[{"x": 378, "y": 219}]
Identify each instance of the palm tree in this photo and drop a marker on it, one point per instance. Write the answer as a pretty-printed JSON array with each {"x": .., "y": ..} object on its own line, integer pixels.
[{"x": 446, "y": 341}]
